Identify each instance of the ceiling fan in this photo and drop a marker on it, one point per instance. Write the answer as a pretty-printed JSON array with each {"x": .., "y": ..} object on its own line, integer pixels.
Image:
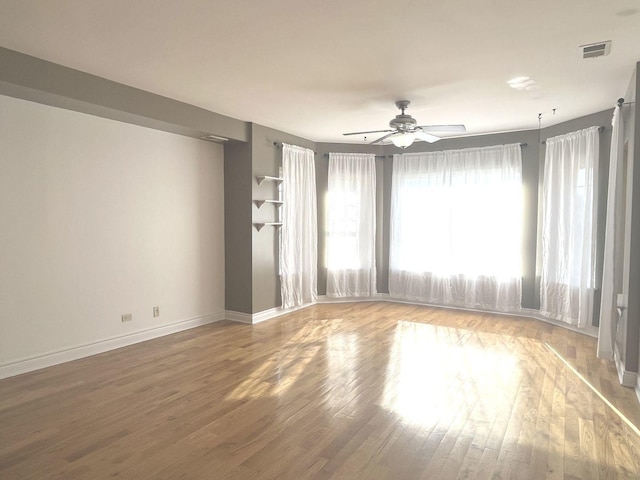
[{"x": 404, "y": 129}]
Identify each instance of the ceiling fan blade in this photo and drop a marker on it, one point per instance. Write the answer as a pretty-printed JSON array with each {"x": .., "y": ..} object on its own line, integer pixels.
[
  {"x": 443, "y": 128},
  {"x": 372, "y": 131},
  {"x": 427, "y": 137},
  {"x": 393, "y": 132}
]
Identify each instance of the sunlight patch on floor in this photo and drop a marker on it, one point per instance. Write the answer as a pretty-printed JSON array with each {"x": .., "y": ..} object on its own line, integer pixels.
[
  {"x": 434, "y": 372},
  {"x": 595, "y": 390},
  {"x": 280, "y": 371}
]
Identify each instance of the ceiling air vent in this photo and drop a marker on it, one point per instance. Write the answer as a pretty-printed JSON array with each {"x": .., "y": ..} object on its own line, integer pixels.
[
  {"x": 594, "y": 50},
  {"x": 214, "y": 138}
]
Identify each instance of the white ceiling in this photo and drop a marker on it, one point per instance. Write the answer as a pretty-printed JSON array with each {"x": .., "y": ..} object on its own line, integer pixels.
[{"x": 320, "y": 68}]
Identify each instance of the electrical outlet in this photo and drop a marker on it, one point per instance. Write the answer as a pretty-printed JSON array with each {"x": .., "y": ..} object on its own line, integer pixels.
[
  {"x": 127, "y": 317},
  {"x": 156, "y": 311}
]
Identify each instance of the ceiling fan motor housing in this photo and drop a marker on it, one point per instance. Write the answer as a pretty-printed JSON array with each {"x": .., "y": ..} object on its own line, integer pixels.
[{"x": 403, "y": 122}]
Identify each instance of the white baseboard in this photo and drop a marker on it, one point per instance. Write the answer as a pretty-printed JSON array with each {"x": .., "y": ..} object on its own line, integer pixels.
[
  {"x": 626, "y": 378},
  {"x": 276, "y": 312},
  {"x": 37, "y": 362},
  {"x": 378, "y": 297},
  {"x": 524, "y": 312},
  {"x": 535, "y": 314},
  {"x": 239, "y": 317},
  {"x": 253, "y": 318}
]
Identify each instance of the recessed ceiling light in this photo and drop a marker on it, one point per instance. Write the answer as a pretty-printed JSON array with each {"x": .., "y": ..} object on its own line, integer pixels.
[{"x": 522, "y": 83}]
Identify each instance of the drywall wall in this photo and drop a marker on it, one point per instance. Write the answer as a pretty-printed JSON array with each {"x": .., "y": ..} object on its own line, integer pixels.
[
  {"x": 100, "y": 218},
  {"x": 631, "y": 275},
  {"x": 634, "y": 251},
  {"x": 267, "y": 160},
  {"x": 532, "y": 170},
  {"x": 30, "y": 78},
  {"x": 237, "y": 227},
  {"x": 384, "y": 172}
]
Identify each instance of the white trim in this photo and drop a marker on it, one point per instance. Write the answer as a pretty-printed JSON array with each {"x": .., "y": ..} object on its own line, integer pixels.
[
  {"x": 524, "y": 312},
  {"x": 638, "y": 387},
  {"x": 239, "y": 317},
  {"x": 536, "y": 315},
  {"x": 276, "y": 312},
  {"x": 253, "y": 318},
  {"x": 37, "y": 362},
  {"x": 378, "y": 297},
  {"x": 626, "y": 378}
]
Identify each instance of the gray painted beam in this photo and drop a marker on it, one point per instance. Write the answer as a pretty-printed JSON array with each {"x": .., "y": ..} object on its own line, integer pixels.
[{"x": 33, "y": 79}]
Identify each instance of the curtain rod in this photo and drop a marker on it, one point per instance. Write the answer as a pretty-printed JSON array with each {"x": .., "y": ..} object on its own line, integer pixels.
[
  {"x": 326, "y": 155},
  {"x": 600, "y": 130},
  {"x": 278, "y": 145}
]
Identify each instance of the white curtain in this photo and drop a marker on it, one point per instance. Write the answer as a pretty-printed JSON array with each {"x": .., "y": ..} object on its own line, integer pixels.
[
  {"x": 298, "y": 236},
  {"x": 568, "y": 227},
  {"x": 614, "y": 240},
  {"x": 456, "y": 222},
  {"x": 351, "y": 225}
]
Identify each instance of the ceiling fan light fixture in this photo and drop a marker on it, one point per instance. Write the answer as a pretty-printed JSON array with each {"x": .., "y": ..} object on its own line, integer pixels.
[
  {"x": 404, "y": 130},
  {"x": 403, "y": 140}
]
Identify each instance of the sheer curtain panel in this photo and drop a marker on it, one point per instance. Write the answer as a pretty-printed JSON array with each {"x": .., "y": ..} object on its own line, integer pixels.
[
  {"x": 351, "y": 225},
  {"x": 568, "y": 227},
  {"x": 298, "y": 235},
  {"x": 612, "y": 266},
  {"x": 456, "y": 228}
]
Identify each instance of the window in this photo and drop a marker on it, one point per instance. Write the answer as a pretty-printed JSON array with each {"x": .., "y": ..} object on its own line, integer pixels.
[
  {"x": 342, "y": 230},
  {"x": 351, "y": 225},
  {"x": 456, "y": 226},
  {"x": 568, "y": 227}
]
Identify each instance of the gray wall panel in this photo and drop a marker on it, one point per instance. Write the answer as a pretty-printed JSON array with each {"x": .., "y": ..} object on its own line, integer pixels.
[
  {"x": 632, "y": 340},
  {"x": 267, "y": 160},
  {"x": 37, "y": 80},
  {"x": 237, "y": 227}
]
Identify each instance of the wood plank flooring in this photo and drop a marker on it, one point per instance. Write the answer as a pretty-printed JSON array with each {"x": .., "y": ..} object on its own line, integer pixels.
[{"x": 340, "y": 391}]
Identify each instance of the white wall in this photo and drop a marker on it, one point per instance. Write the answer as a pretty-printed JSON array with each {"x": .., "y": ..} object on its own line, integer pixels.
[{"x": 97, "y": 219}]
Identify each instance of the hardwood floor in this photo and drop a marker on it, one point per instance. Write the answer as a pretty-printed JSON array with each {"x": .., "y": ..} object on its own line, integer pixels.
[{"x": 348, "y": 391}]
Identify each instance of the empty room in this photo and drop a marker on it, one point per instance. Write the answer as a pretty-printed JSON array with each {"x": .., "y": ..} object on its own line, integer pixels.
[{"x": 319, "y": 240}]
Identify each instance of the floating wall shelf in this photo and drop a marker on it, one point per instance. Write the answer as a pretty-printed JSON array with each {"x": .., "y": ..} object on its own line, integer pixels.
[
  {"x": 259, "y": 203},
  {"x": 260, "y": 226},
  {"x": 266, "y": 178}
]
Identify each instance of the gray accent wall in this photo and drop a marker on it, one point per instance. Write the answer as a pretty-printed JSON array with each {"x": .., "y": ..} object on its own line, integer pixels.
[
  {"x": 628, "y": 332},
  {"x": 31, "y": 78},
  {"x": 266, "y": 159},
  {"x": 634, "y": 252},
  {"x": 532, "y": 173},
  {"x": 251, "y": 256},
  {"x": 237, "y": 227}
]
